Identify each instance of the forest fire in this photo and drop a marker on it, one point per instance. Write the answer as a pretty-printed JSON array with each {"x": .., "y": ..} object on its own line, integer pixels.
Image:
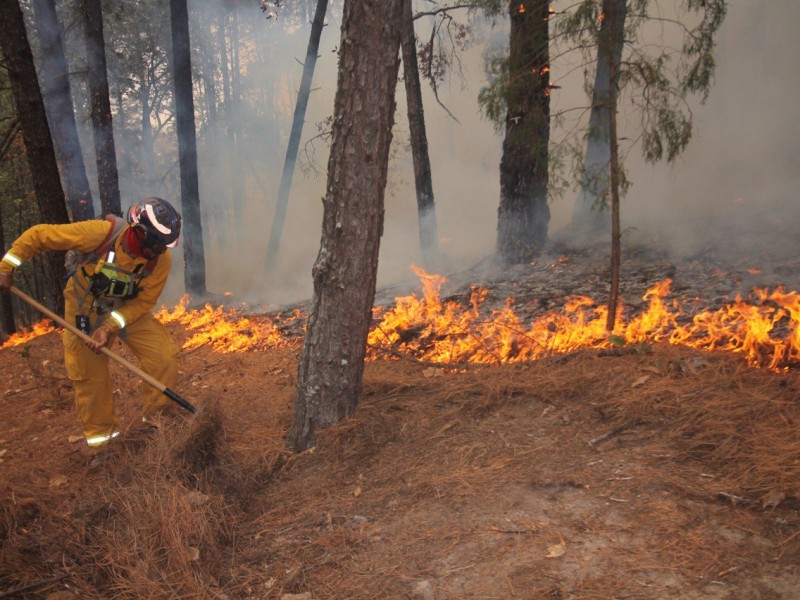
[
  {"x": 25, "y": 335},
  {"x": 224, "y": 330},
  {"x": 764, "y": 329},
  {"x": 765, "y": 332}
]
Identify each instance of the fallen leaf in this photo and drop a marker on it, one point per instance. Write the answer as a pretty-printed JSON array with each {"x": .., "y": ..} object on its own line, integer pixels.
[
  {"x": 357, "y": 491},
  {"x": 193, "y": 553},
  {"x": 75, "y": 438},
  {"x": 195, "y": 498},
  {"x": 641, "y": 381},
  {"x": 556, "y": 550},
  {"x": 449, "y": 425},
  {"x": 58, "y": 480},
  {"x": 773, "y": 498}
]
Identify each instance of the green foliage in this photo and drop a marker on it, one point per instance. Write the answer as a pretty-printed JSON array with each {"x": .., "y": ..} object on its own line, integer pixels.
[
  {"x": 616, "y": 341},
  {"x": 655, "y": 79},
  {"x": 700, "y": 46},
  {"x": 492, "y": 97}
]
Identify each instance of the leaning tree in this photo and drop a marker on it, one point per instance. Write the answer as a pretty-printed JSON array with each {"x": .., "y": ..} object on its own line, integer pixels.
[{"x": 345, "y": 271}]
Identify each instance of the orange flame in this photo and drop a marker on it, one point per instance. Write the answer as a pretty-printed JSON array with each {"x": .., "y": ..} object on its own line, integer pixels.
[
  {"x": 448, "y": 333},
  {"x": 521, "y": 8},
  {"x": 764, "y": 328},
  {"x": 25, "y": 335},
  {"x": 224, "y": 330}
]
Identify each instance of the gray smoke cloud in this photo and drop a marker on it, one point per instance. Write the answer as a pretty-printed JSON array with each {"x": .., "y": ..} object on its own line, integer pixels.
[{"x": 733, "y": 189}]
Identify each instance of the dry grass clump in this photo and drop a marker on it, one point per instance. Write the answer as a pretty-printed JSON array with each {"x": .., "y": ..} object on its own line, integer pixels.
[
  {"x": 739, "y": 422},
  {"x": 175, "y": 514},
  {"x": 162, "y": 532}
]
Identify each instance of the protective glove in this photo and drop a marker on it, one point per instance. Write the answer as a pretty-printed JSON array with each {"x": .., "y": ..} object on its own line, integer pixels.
[
  {"x": 6, "y": 281},
  {"x": 100, "y": 339}
]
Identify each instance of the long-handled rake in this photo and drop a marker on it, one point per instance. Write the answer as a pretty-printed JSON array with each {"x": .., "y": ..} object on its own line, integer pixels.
[{"x": 171, "y": 394}]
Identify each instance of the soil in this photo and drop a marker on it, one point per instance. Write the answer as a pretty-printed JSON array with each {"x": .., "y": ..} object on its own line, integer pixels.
[{"x": 652, "y": 472}]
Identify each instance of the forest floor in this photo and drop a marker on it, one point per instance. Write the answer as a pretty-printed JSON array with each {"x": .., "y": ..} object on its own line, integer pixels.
[{"x": 658, "y": 472}]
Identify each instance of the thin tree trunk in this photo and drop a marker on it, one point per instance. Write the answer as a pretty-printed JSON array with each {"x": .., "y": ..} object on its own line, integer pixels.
[
  {"x": 616, "y": 234},
  {"x": 294, "y": 136},
  {"x": 426, "y": 210},
  {"x": 214, "y": 214},
  {"x": 238, "y": 180},
  {"x": 36, "y": 136},
  {"x": 7, "y": 324},
  {"x": 590, "y": 219},
  {"x": 147, "y": 155},
  {"x": 61, "y": 116},
  {"x": 224, "y": 212},
  {"x": 8, "y": 139},
  {"x": 332, "y": 362},
  {"x": 102, "y": 127},
  {"x": 193, "y": 253},
  {"x": 523, "y": 214}
]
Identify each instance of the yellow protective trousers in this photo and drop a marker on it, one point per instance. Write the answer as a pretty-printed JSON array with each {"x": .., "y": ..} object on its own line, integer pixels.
[{"x": 150, "y": 342}]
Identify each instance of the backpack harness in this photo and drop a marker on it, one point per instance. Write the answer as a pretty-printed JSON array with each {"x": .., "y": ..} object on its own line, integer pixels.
[{"x": 108, "y": 284}]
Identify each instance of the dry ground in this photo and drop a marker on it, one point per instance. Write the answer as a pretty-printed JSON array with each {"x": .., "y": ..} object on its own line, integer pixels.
[{"x": 653, "y": 473}]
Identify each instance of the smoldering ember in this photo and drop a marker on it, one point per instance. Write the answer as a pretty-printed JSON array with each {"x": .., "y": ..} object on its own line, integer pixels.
[{"x": 539, "y": 340}]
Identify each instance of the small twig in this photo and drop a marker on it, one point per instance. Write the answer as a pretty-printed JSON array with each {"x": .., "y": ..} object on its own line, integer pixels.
[
  {"x": 22, "y": 588},
  {"x": 9, "y": 393},
  {"x": 733, "y": 498},
  {"x": 612, "y": 433},
  {"x": 496, "y": 530}
]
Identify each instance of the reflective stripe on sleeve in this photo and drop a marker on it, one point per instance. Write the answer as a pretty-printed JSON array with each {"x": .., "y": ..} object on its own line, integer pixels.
[
  {"x": 14, "y": 260},
  {"x": 98, "y": 440},
  {"x": 118, "y": 318}
]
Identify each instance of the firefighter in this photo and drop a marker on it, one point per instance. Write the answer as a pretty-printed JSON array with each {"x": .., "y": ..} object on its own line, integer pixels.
[{"x": 120, "y": 268}]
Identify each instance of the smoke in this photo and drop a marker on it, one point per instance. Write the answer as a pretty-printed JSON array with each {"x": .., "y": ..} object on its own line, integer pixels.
[{"x": 733, "y": 189}]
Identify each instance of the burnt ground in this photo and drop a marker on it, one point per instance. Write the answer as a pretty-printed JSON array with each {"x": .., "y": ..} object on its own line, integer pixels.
[{"x": 652, "y": 472}]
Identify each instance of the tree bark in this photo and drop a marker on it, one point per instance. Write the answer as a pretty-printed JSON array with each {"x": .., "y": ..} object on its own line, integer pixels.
[
  {"x": 102, "y": 127},
  {"x": 590, "y": 218},
  {"x": 523, "y": 214},
  {"x": 7, "y": 324},
  {"x": 344, "y": 273},
  {"x": 294, "y": 136},
  {"x": 36, "y": 136},
  {"x": 426, "y": 211},
  {"x": 193, "y": 252},
  {"x": 61, "y": 116},
  {"x": 614, "y": 168}
]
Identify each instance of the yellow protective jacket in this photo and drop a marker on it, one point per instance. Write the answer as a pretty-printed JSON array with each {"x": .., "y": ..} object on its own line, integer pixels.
[{"x": 86, "y": 236}]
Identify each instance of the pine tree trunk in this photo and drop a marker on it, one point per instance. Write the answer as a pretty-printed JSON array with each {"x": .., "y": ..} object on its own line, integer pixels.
[
  {"x": 193, "y": 252},
  {"x": 7, "y": 324},
  {"x": 61, "y": 116},
  {"x": 590, "y": 217},
  {"x": 332, "y": 362},
  {"x": 294, "y": 136},
  {"x": 102, "y": 128},
  {"x": 616, "y": 232},
  {"x": 523, "y": 214},
  {"x": 36, "y": 136},
  {"x": 426, "y": 211}
]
